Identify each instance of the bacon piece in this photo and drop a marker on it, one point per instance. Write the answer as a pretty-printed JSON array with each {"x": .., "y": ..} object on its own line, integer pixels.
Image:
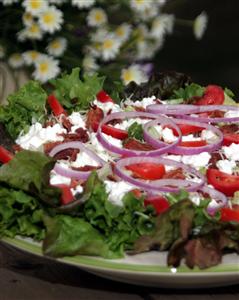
[
  {"x": 174, "y": 174},
  {"x": 133, "y": 144}
]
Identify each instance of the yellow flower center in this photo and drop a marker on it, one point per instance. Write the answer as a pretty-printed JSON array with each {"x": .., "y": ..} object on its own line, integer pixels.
[
  {"x": 48, "y": 18},
  {"x": 35, "y": 4},
  {"x": 99, "y": 17},
  {"x": 34, "y": 28},
  {"x": 56, "y": 45},
  {"x": 27, "y": 17},
  {"x": 120, "y": 31},
  {"x": 108, "y": 44},
  {"x": 139, "y": 2},
  {"x": 43, "y": 67},
  {"x": 16, "y": 56},
  {"x": 34, "y": 55},
  {"x": 127, "y": 76}
]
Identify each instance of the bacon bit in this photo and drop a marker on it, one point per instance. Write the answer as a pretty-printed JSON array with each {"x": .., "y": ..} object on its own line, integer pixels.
[
  {"x": 217, "y": 114},
  {"x": 66, "y": 123},
  {"x": 49, "y": 123},
  {"x": 139, "y": 108},
  {"x": 17, "y": 148},
  {"x": 86, "y": 168},
  {"x": 75, "y": 183},
  {"x": 83, "y": 135},
  {"x": 227, "y": 129},
  {"x": 112, "y": 177},
  {"x": 93, "y": 118},
  {"x": 215, "y": 157},
  {"x": 70, "y": 154},
  {"x": 174, "y": 174},
  {"x": 133, "y": 144},
  {"x": 49, "y": 146}
]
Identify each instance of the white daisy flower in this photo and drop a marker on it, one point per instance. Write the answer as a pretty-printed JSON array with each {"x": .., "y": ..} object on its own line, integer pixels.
[
  {"x": 141, "y": 5},
  {"x": 145, "y": 49},
  {"x": 46, "y": 68},
  {"x": 33, "y": 32},
  {"x": 83, "y": 3},
  {"x": 161, "y": 25},
  {"x": 99, "y": 35},
  {"x": 93, "y": 50},
  {"x": 15, "y": 61},
  {"x": 22, "y": 35},
  {"x": 35, "y": 7},
  {"x": 200, "y": 25},
  {"x": 110, "y": 47},
  {"x": 30, "y": 57},
  {"x": 89, "y": 64},
  {"x": 57, "y": 46},
  {"x": 133, "y": 73},
  {"x": 8, "y": 2},
  {"x": 27, "y": 19},
  {"x": 142, "y": 32},
  {"x": 51, "y": 19},
  {"x": 96, "y": 17},
  {"x": 148, "y": 13},
  {"x": 123, "y": 31},
  {"x": 2, "y": 52}
]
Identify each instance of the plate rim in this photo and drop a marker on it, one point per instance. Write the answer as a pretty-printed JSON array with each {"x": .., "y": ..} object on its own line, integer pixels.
[{"x": 95, "y": 263}]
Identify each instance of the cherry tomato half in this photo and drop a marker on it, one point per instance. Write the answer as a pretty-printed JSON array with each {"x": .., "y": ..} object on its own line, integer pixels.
[{"x": 148, "y": 171}]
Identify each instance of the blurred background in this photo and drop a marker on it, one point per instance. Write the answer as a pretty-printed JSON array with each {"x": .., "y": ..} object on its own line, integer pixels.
[{"x": 215, "y": 58}]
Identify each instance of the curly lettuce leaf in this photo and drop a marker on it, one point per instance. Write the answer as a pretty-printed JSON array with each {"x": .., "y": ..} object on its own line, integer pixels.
[
  {"x": 27, "y": 104},
  {"x": 29, "y": 171},
  {"x": 188, "y": 92},
  {"x": 136, "y": 131},
  {"x": 74, "y": 93}
]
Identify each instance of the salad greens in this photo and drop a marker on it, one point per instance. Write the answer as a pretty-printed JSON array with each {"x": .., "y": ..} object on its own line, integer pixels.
[
  {"x": 136, "y": 131},
  {"x": 188, "y": 92}
]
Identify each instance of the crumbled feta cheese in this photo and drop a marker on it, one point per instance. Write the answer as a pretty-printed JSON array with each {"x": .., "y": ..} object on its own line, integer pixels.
[
  {"x": 232, "y": 114},
  {"x": 168, "y": 136},
  {"x": 190, "y": 137},
  {"x": 77, "y": 121},
  {"x": 56, "y": 179},
  {"x": 143, "y": 103},
  {"x": 117, "y": 190},
  {"x": 174, "y": 157},
  {"x": 195, "y": 198},
  {"x": 99, "y": 149},
  {"x": 125, "y": 124},
  {"x": 231, "y": 152},
  {"x": 77, "y": 190},
  {"x": 113, "y": 141},
  {"x": 83, "y": 159},
  {"x": 226, "y": 166},
  {"x": 208, "y": 135},
  {"x": 37, "y": 136},
  {"x": 108, "y": 106},
  {"x": 198, "y": 160}
]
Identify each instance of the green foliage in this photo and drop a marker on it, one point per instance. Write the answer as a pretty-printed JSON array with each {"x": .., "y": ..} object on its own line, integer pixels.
[
  {"x": 188, "y": 92},
  {"x": 136, "y": 131}
]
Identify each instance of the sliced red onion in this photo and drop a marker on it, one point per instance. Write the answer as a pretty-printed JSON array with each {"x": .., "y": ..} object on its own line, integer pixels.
[
  {"x": 185, "y": 150},
  {"x": 219, "y": 200},
  {"x": 210, "y": 108},
  {"x": 161, "y": 185},
  {"x": 162, "y": 148},
  {"x": 67, "y": 172},
  {"x": 172, "y": 109}
]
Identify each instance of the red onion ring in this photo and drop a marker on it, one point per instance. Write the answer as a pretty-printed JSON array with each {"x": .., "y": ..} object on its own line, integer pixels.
[
  {"x": 161, "y": 185},
  {"x": 209, "y": 108},
  {"x": 172, "y": 109},
  {"x": 67, "y": 172},
  {"x": 162, "y": 148},
  {"x": 220, "y": 198},
  {"x": 185, "y": 150}
]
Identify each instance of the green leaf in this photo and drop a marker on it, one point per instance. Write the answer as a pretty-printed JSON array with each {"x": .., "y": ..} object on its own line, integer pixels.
[
  {"x": 74, "y": 93},
  {"x": 69, "y": 236},
  {"x": 229, "y": 92},
  {"x": 189, "y": 91},
  {"x": 136, "y": 131}
]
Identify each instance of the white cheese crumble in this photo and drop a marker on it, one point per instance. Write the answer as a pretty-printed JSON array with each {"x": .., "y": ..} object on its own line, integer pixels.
[
  {"x": 37, "y": 136},
  {"x": 107, "y": 106},
  {"x": 231, "y": 152},
  {"x": 125, "y": 124},
  {"x": 190, "y": 137},
  {"x": 232, "y": 114},
  {"x": 208, "y": 135},
  {"x": 198, "y": 160},
  {"x": 77, "y": 121},
  {"x": 99, "y": 149},
  {"x": 77, "y": 190},
  {"x": 226, "y": 166},
  {"x": 195, "y": 198},
  {"x": 83, "y": 159},
  {"x": 117, "y": 190},
  {"x": 143, "y": 103},
  {"x": 56, "y": 179}
]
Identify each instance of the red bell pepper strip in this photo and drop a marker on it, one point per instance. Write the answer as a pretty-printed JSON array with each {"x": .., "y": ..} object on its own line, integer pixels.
[
  {"x": 55, "y": 106},
  {"x": 5, "y": 155},
  {"x": 158, "y": 202},
  {"x": 103, "y": 97}
]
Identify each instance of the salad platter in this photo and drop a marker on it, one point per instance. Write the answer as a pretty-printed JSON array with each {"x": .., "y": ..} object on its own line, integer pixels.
[{"x": 142, "y": 187}]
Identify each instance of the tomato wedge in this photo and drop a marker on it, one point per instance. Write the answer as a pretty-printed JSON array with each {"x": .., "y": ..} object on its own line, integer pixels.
[
  {"x": 228, "y": 139},
  {"x": 158, "y": 202},
  {"x": 186, "y": 129},
  {"x": 223, "y": 182},
  {"x": 55, "y": 106},
  {"x": 213, "y": 95},
  {"x": 117, "y": 133},
  {"x": 148, "y": 171},
  {"x": 230, "y": 214},
  {"x": 103, "y": 97},
  {"x": 5, "y": 155},
  {"x": 66, "y": 194},
  {"x": 193, "y": 143}
]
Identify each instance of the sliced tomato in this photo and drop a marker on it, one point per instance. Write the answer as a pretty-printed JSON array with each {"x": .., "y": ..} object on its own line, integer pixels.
[
  {"x": 186, "y": 129},
  {"x": 137, "y": 193},
  {"x": 117, "y": 133},
  {"x": 160, "y": 203},
  {"x": 223, "y": 182},
  {"x": 228, "y": 139},
  {"x": 5, "y": 155},
  {"x": 94, "y": 116},
  {"x": 55, "y": 106},
  {"x": 213, "y": 95},
  {"x": 66, "y": 194},
  {"x": 193, "y": 143},
  {"x": 103, "y": 97},
  {"x": 148, "y": 171},
  {"x": 230, "y": 214}
]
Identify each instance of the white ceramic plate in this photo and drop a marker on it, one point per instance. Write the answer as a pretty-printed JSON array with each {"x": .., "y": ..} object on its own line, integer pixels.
[{"x": 147, "y": 269}]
